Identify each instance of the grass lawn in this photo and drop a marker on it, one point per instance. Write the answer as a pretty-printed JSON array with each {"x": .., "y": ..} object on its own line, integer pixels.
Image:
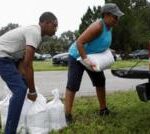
[
  {"x": 129, "y": 63},
  {"x": 131, "y": 116},
  {"x": 48, "y": 66}
]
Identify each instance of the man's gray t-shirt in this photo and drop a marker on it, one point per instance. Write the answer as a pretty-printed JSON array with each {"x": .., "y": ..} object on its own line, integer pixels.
[{"x": 13, "y": 43}]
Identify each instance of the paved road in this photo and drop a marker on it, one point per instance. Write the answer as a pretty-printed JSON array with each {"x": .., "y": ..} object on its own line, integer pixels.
[{"x": 49, "y": 80}]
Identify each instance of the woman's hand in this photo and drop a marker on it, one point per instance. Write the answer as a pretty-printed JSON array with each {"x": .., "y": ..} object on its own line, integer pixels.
[{"x": 89, "y": 63}]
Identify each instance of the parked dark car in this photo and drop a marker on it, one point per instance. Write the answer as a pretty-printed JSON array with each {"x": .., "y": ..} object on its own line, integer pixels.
[
  {"x": 60, "y": 59},
  {"x": 116, "y": 56},
  {"x": 46, "y": 56},
  {"x": 38, "y": 56},
  {"x": 133, "y": 53},
  {"x": 139, "y": 54}
]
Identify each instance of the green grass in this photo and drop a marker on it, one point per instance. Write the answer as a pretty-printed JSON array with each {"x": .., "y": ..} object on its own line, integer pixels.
[
  {"x": 129, "y": 63},
  {"x": 131, "y": 116},
  {"x": 48, "y": 66}
]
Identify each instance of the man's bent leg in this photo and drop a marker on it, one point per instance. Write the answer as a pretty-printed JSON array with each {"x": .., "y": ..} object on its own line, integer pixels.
[{"x": 17, "y": 85}]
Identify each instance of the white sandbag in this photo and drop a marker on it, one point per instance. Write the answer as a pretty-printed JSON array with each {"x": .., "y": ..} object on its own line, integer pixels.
[
  {"x": 102, "y": 60},
  {"x": 38, "y": 130},
  {"x": 37, "y": 119},
  {"x": 33, "y": 118},
  {"x": 56, "y": 112},
  {"x": 5, "y": 92},
  {"x": 23, "y": 126},
  {"x": 4, "y": 110},
  {"x": 4, "y": 104}
]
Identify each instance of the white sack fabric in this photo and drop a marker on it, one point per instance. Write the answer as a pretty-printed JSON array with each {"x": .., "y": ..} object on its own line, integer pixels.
[
  {"x": 102, "y": 60},
  {"x": 4, "y": 110},
  {"x": 37, "y": 118},
  {"x": 23, "y": 126},
  {"x": 33, "y": 119},
  {"x": 56, "y": 112}
]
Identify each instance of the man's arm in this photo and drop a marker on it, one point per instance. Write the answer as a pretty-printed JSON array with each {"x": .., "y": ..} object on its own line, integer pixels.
[{"x": 29, "y": 73}]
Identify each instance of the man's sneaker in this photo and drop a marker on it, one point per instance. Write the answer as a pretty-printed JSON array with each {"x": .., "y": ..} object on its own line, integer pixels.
[
  {"x": 69, "y": 119},
  {"x": 104, "y": 112}
]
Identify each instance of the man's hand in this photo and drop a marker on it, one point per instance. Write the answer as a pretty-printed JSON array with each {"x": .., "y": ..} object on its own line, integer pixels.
[
  {"x": 32, "y": 96},
  {"x": 29, "y": 72}
]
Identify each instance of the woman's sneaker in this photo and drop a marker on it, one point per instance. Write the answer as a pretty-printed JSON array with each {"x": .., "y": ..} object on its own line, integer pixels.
[
  {"x": 104, "y": 112},
  {"x": 69, "y": 119}
]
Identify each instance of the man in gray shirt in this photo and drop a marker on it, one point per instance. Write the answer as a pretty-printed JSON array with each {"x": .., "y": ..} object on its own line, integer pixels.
[{"x": 20, "y": 45}]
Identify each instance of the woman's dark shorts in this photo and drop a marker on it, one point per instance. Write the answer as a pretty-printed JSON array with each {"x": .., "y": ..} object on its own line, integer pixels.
[{"x": 75, "y": 73}]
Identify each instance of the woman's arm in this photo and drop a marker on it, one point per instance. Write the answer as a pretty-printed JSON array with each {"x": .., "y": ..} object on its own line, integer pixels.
[{"x": 89, "y": 34}]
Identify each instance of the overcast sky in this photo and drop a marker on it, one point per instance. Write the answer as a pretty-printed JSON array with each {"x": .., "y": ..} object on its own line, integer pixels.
[{"x": 27, "y": 12}]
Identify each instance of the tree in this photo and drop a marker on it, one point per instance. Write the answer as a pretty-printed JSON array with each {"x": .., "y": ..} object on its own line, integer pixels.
[
  {"x": 133, "y": 30},
  {"x": 55, "y": 45},
  {"x": 67, "y": 38},
  {"x": 90, "y": 16},
  {"x": 48, "y": 45},
  {"x": 7, "y": 28}
]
